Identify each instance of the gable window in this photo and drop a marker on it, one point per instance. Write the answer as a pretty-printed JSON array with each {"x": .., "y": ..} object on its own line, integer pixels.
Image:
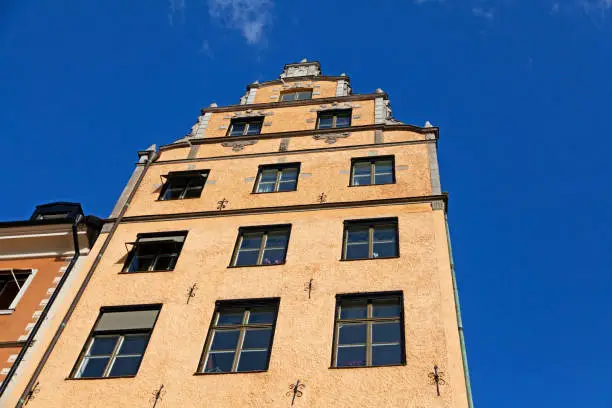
[
  {"x": 13, "y": 283},
  {"x": 117, "y": 342},
  {"x": 275, "y": 178},
  {"x": 155, "y": 252},
  {"x": 180, "y": 185},
  {"x": 261, "y": 245},
  {"x": 300, "y": 95},
  {"x": 240, "y": 336},
  {"x": 368, "y": 239},
  {"x": 370, "y": 171},
  {"x": 369, "y": 330},
  {"x": 334, "y": 119},
  {"x": 245, "y": 127}
]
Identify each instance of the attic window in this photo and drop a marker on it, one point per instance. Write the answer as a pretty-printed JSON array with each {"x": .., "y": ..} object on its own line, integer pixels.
[{"x": 299, "y": 95}]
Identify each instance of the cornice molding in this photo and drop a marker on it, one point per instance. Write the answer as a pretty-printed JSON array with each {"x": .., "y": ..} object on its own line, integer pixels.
[{"x": 297, "y": 79}]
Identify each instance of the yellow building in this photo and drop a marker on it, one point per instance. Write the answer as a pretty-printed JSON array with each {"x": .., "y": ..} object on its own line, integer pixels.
[{"x": 291, "y": 250}]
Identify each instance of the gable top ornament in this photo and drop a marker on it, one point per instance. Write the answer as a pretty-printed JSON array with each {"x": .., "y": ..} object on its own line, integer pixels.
[{"x": 302, "y": 68}]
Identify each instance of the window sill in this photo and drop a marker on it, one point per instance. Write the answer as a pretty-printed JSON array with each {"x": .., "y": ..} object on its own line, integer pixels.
[
  {"x": 374, "y": 366},
  {"x": 6, "y": 311},
  {"x": 370, "y": 259},
  {"x": 253, "y": 266},
  {"x": 136, "y": 272},
  {"x": 99, "y": 378},
  {"x": 274, "y": 192},
  {"x": 370, "y": 185},
  {"x": 198, "y": 373}
]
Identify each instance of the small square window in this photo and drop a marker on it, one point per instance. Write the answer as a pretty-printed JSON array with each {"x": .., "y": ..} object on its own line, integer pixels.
[
  {"x": 240, "y": 337},
  {"x": 117, "y": 342},
  {"x": 155, "y": 252},
  {"x": 275, "y": 178},
  {"x": 334, "y": 119},
  {"x": 369, "y": 239},
  {"x": 372, "y": 171},
  {"x": 180, "y": 185},
  {"x": 297, "y": 95},
  {"x": 369, "y": 330},
  {"x": 245, "y": 127},
  {"x": 13, "y": 283},
  {"x": 261, "y": 246}
]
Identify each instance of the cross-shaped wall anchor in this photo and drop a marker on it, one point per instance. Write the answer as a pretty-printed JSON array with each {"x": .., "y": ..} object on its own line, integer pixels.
[
  {"x": 158, "y": 395},
  {"x": 322, "y": 198},
  {"x": 296, "y": 390},
  {"x": 222, "y": 204},
  {"x": 437, "y": 378},
  {"x": 32, "y": 393},
  {"x": 308, "y": 287},
  {"x": 191, "y": 292}
]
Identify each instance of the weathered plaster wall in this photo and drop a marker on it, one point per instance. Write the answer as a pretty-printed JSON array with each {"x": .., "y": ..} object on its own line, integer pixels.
[
  {"x": 321, "y": 172},
  {"x": 303, "y": 338}
]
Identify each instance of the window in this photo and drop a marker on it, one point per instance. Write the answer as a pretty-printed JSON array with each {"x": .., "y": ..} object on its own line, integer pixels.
[
  {"x": 240, "y": 336},
  {"x": 367, "y": 239},
  {"x": 369, "y": 330},
  {"x": 117, "y": 342},
  {"x": 334, "y": 119},
  {"x": 296, "y": 95},
  {"x": 245, "y": 127},
  {"x": 368, "y": 171},
  {"x": 261, "y": 246},
  {"x": 275, "y": 178},
  {"x": 13, "y": 283},
  {"x": 155, "y": 252},
  {"x": 180, "y": 185}
]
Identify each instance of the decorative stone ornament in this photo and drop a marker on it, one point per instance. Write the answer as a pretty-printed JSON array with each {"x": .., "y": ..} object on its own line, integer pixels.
[
  {"x": 331, "y": 138},
  {"x": 238, "y": 145}
]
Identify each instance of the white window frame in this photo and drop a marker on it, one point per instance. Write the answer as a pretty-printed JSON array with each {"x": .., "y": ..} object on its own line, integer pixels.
[{"x": 21, "y": 292}]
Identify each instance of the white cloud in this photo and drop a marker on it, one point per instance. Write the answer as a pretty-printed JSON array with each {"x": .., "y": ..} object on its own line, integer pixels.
[
  {"x": 482, "y": 13},
  {"x": 177, "y": 9},
  {"x": 250, "y": 17}
]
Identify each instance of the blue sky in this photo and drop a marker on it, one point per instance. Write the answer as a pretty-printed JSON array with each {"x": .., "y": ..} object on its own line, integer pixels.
[{"x": 520, "y": 89}]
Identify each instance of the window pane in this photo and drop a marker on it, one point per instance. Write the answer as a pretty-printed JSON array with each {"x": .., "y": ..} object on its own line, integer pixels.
[
  {"x": 384, "y": 234},
  {"x": 289, "y": 174},
  {"x": 165, "y": 263},
  {"x": 251, "y": 241},
  {"x": 172, "y": 193},
  {"x": 353, "y": 310},
  {"x": 133, "y": 345},
  {"x": 383, "y": 250},
  {"x": 277, "y": 240},
  {"x": 237, "y": 129},
  {"x": 268, "y": 175},
  {"x": 229, "y": 317},
  {"x": 383, "y": 178},
  {"x": 261, "y": 315},
  {"x": 304, "y": 95},
  {"x": 125, "y": 366},
  {"x": 257, "y": 339},
  {"x": 93, "y": 367},
  {"x": 247, "y": 258},
  {"x": 225, "y": 340},
  {"x": 141, "y": 263},
  {"x": 343, "y": 121},
  {"x": 252, "y": 360},
  {"x": 265, "y": 187},
  {"x": 273, "y": 256},
  {"x": 219, "y": 362},
  {"x": 386, "y": 308},
  {"x": 386, "y": 355},
  {"x": 361, "y": 180},
  {"x": 352, "y": 334},
  {"x": 8, "y": 294},
  {"x": 254, "y": 128},
  {"x": 325, "y": 122},
  {"x": 357, "y": 251},
  {"x": 103, "y": 346},
  {"x": 287, "y": 186},
  {"x": 351, "y": 357},
  {"x": 385, "y": 166},
  {"x": 362, "y": 169},
  {"x": 386, "y": 332},
  {"x": 358, "y": 235},
  {"x": 287, "y": 97}
]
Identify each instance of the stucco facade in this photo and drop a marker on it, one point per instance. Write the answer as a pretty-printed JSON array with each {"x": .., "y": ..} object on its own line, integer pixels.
[{"x": 314, "y": 271}]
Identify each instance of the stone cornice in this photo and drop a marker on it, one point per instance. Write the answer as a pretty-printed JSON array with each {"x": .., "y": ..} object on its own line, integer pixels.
[
  {"x": 317, "y": 101},
  {"x": 432, "y": 199},
  {"x": 301, "y": 133},
  {"x": 298, "y": 79}
]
